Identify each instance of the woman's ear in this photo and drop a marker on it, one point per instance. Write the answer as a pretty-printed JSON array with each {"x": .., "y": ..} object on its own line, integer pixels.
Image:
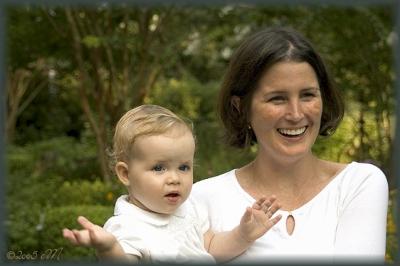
[
  {"x": 122, "y": 171},
  {"x": 235, "y": 101}
]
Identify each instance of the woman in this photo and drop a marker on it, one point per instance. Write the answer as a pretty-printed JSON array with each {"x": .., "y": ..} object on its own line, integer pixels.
[{"x": 277, "y": 93}]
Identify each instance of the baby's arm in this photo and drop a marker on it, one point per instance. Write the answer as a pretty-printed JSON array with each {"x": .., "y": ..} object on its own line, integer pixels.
[
  {"x": 106, "y": 245},
  {"x": 255, "y": 222}
]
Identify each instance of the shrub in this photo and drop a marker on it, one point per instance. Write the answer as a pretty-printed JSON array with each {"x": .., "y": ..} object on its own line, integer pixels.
[
  {"x": 88, "y": 192},
  {"x": 62, "y": 156},
  {"x": 48, "y": 234},
  {"x": 392, "y": 243}
]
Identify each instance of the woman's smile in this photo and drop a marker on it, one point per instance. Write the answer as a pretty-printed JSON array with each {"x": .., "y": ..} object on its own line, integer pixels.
[{"x": 292, "y": 132}]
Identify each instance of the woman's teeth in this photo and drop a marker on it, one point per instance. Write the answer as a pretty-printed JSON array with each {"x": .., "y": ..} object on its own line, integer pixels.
[{"x": 292, "y": 132}]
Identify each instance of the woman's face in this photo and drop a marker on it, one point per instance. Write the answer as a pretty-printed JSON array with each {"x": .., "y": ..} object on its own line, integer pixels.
[{"x": 286, "y": 110}]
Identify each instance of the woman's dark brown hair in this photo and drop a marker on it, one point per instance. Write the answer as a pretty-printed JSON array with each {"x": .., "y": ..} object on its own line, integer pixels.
[{"x": 251, "y": 60}]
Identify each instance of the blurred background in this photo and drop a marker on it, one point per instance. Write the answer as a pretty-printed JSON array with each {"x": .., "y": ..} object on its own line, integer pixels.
[{"x": 73, "y": 71}]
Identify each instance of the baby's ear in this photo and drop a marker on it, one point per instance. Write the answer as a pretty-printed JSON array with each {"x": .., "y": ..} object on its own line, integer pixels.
[{"x": 122, "y": 171}]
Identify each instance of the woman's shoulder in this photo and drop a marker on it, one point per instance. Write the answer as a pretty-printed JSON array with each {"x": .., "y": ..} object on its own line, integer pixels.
[
  {"x": 362, "y": 175},
  {"x": 364, "y": 170},
  {"x": 360, "y": 170},
  {"x": 215, "y": 180},
  {"x": 213, "y": 184}
]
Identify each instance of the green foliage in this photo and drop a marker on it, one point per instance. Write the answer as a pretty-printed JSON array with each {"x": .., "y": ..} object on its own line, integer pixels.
[
  {"x": 45, "y": 192},
  {"x": 27, "y": 41},
  {"x": 29, "y": 233},
  {"x": 54, "y": 206},
  {"x": 54, "y": 112},
  {"x": 88, "y": 192},
  {"x": 62, "y": 156},
  {"x": 91, "y": 41},
  {"x": 178, "y": 95},
  {"x": 392, "y": 237},
  {"x": 34, "y": 223},
  {"x": 334, "y": 147}
]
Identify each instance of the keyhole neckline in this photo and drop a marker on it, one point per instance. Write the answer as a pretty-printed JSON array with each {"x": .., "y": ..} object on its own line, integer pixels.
[{"x": 290, "y": 224}]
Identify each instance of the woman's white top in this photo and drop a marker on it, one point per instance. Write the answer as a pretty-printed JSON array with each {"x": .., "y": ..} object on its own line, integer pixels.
[
  {"x": 345, "y": 221},
  {"x": 158, "y": 238}
]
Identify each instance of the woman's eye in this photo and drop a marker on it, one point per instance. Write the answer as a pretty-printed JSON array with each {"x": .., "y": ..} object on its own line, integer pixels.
[
  {"x": 184, "y": 167},
  {"x": 277, "y": 99},
  {"x": 158, "y": 168},
  {"x": 308, "y": 95}
]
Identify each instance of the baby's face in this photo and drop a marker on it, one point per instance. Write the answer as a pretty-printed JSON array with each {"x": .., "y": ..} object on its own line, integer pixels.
[{"x": 161, "y": 171}]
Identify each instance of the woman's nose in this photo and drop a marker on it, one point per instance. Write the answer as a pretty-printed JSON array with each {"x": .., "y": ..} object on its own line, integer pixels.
[{"x": 294, "y": 110}]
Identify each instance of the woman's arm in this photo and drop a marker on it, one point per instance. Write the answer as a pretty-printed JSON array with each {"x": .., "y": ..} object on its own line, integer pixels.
[{"x": 361, "y": 230}]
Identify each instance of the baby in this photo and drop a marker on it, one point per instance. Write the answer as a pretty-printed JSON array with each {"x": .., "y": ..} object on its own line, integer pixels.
[{"x": 157, "y": 221}]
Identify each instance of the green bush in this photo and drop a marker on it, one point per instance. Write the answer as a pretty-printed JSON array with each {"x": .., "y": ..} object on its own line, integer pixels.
[
  {"x": 49, "y": 184},
  {"x": 392, "y": 243},
  {"x": 21, "y": 225},
  {"x": 89, "y": 192},
  {"x": 47, "y": 235},
  {"x": 61, "y": 156},
  {"x": 54, "y": 204}
]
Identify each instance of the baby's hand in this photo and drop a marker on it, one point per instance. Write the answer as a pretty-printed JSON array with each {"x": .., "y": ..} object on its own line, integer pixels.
[
  {"x": 256, "y": 221},
  {"x": 91, "y": 236}
]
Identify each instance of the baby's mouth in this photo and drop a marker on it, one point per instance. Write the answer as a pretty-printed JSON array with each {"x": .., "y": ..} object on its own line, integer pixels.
[
  {"x": 173, "y": 197},
  {"x": 291, "y": 133},
  {"x": 172, "y": 194}
]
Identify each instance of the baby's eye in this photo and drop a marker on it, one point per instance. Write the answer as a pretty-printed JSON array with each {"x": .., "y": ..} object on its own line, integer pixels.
[
  {"x": 158, "y": 168},
  {"x": 184, "y": 167}
]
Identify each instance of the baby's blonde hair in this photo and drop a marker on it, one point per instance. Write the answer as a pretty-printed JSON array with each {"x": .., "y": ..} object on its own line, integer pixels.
[{"x": 144, "y": 120}]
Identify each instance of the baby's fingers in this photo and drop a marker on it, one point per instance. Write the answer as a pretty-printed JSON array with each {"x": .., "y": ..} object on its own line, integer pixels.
[
  {"x": 269, "y": 206},
  {"x": 272, "y": 209},
  {"x": 68, "y": 234},
  {"x": 275, "y": 220},
  {"x": 82, "y": 237},
  {"x": 85, "y": 223},
  {"x": 260, "y": 203},
  {"x": 271, "y": 222}
]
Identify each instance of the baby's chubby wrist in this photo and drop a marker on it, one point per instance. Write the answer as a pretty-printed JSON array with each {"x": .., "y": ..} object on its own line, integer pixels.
[
  {"x": 109, "y": 247},
  {"x": 241, "y": 236},
  {"x": 109, "y": 251}
]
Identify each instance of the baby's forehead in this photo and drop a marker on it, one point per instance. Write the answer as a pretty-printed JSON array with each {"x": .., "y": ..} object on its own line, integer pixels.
[
  {"x": 174, "y": 131},
  {"x": 180, "y": 141},
  {"x": 153, "y": 128}
]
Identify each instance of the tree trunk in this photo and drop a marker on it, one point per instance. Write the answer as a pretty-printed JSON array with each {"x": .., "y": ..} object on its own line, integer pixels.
[
  {"x": 84, "y": 84},
  {"x": 21, "y": 91}
]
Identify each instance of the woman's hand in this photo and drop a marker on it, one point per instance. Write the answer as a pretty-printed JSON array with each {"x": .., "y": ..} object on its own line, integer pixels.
[{"x": 256, "y": 221}]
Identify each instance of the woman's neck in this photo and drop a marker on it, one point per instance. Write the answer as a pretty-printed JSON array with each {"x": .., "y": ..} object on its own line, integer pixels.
[
  {"x": 293, "y": 183},
  {"x": 289, "y": 173}
]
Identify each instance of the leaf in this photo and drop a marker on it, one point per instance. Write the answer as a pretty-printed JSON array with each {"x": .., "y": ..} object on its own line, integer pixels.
[{"x": 91, "y": 41}]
